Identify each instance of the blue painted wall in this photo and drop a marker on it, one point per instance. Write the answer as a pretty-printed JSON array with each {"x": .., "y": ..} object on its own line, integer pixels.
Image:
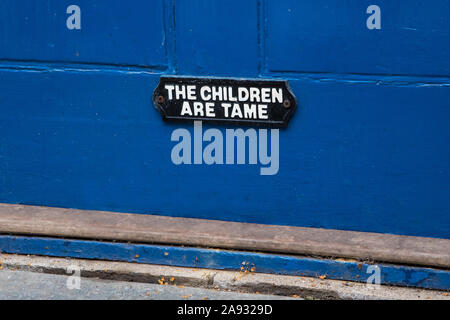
[{"x": 368, "y": 149}]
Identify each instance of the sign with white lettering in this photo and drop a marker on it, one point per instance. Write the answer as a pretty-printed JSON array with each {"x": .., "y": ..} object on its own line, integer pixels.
[{"x": 266, "y": 103}]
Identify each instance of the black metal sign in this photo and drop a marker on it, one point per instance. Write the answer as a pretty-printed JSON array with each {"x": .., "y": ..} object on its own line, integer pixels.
[{"x": 267, "y": 103}]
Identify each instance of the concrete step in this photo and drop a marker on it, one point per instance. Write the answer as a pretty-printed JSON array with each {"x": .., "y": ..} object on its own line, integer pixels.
[{"x": 37, "y": 277}]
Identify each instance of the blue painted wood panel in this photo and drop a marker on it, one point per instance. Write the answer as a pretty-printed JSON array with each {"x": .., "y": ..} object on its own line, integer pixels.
[
  {"x": 229, "y": 260},
  {"x": 217, "y": 37},
  {"x": 111, "y": 32},
  {"x": 365, "y": 152},
  {"x": 358, "y": 156},
  {"x": 331, "y": 36}
]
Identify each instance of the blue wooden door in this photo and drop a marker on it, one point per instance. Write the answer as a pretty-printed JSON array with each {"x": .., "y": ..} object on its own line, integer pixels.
[{"x": 367, "y": 150}]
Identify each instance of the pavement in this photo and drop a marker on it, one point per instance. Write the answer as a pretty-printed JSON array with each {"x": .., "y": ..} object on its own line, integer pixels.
[
  {"x": 37, "y": 277},
  {"x": 26, "y": 285}
]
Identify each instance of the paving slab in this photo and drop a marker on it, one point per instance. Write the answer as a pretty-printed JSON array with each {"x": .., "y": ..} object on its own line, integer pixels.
[
  {"x": 133, "y": 281},
  {"x": 27, "y": 285}
]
